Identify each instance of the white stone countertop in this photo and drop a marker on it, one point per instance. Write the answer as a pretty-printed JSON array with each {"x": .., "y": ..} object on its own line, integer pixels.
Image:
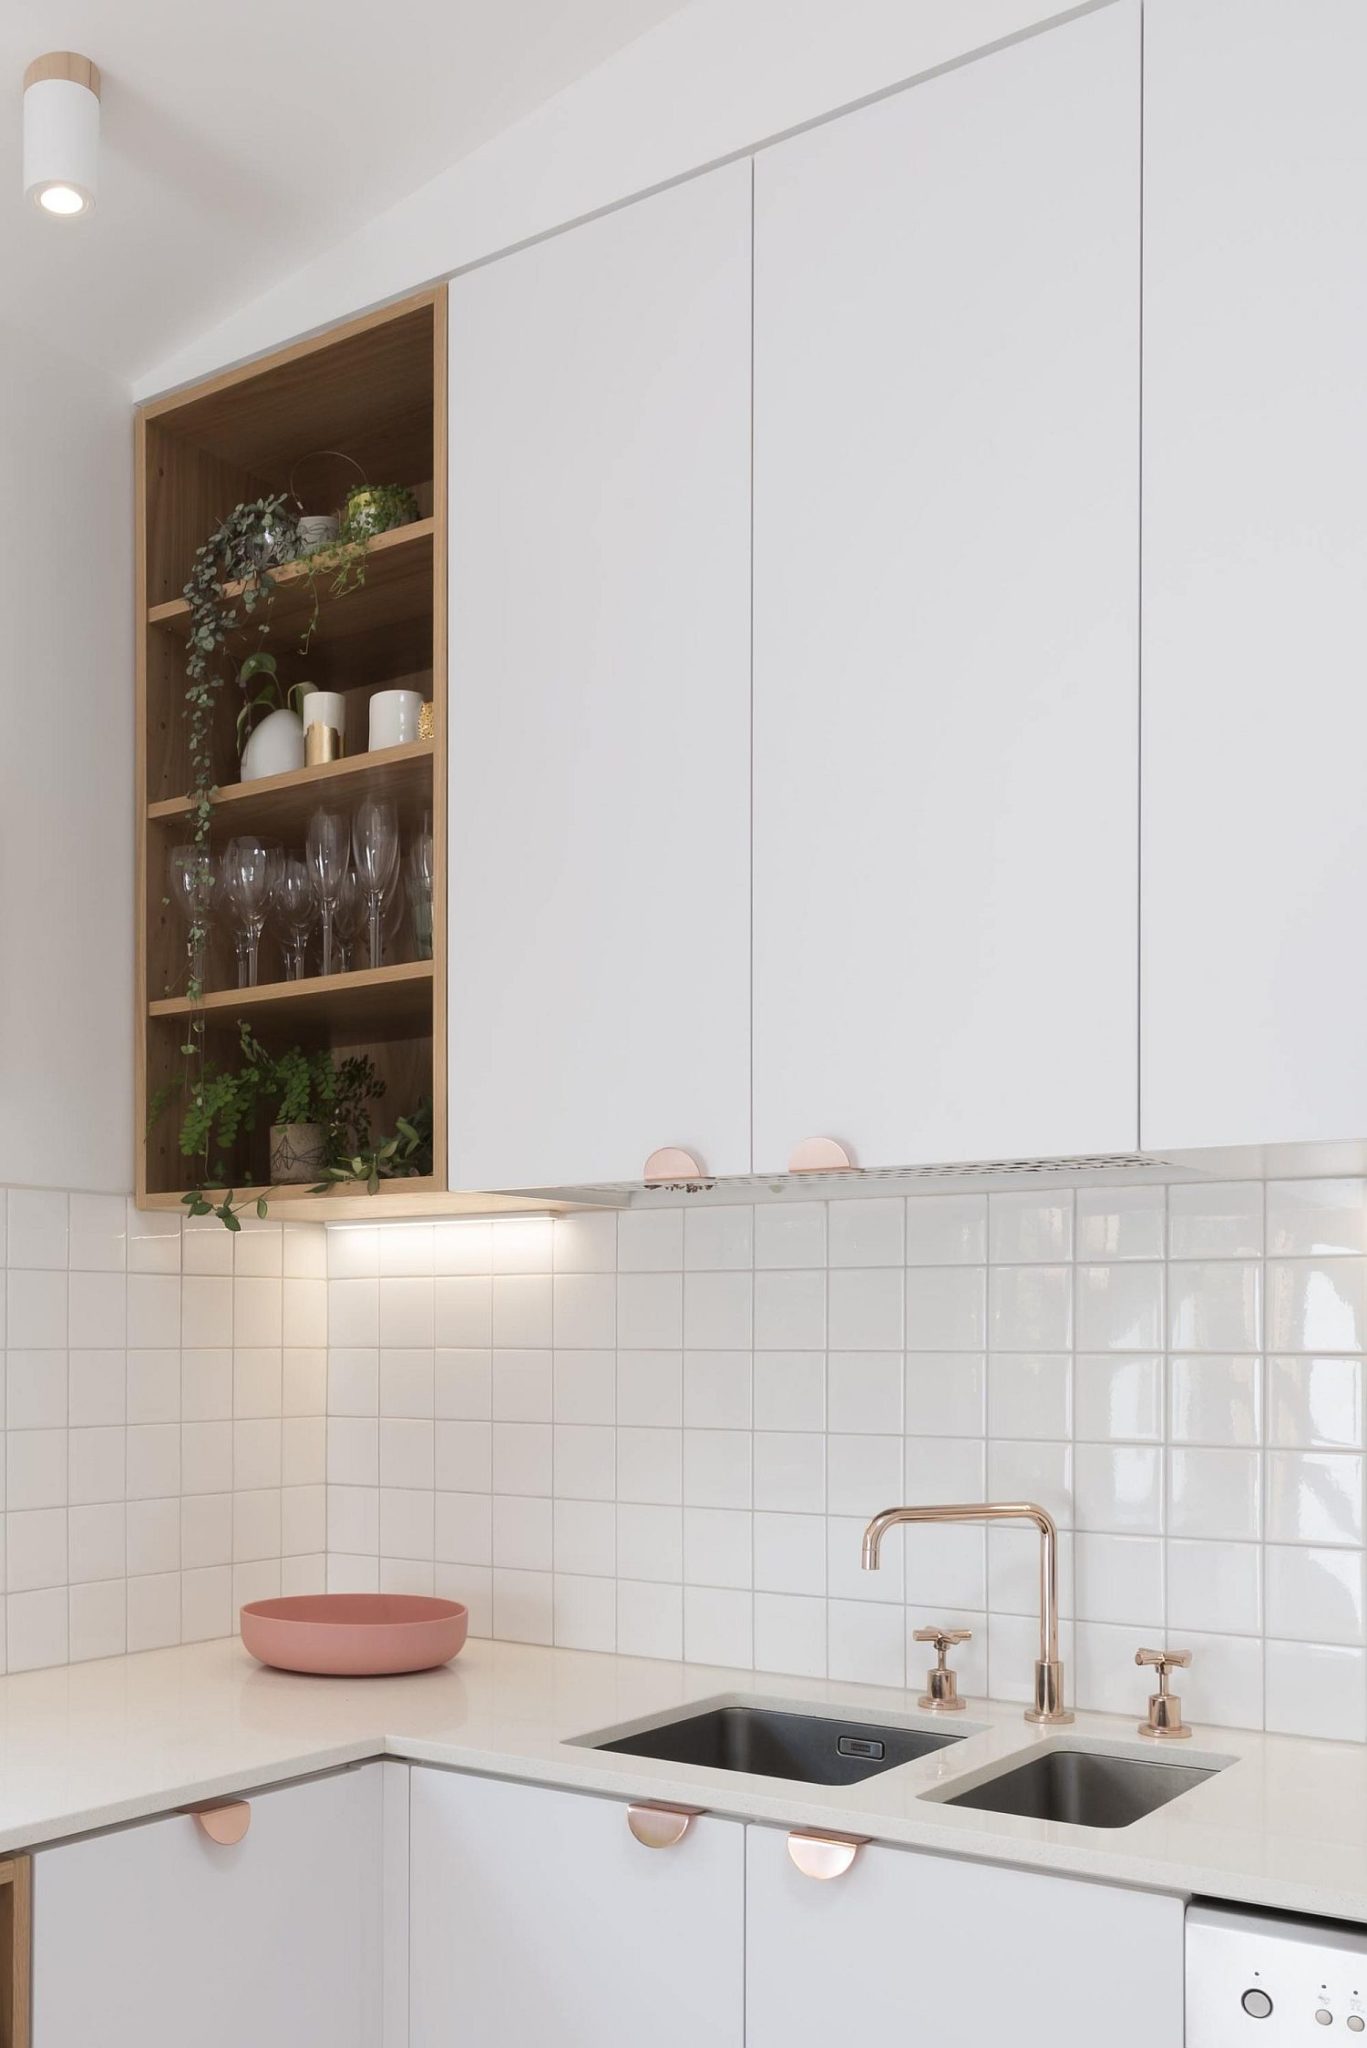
[{"x": 1283, "y": 1824}]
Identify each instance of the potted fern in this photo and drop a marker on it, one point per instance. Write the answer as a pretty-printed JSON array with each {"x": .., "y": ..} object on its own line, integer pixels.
[{"x": 318, "y": 1110}]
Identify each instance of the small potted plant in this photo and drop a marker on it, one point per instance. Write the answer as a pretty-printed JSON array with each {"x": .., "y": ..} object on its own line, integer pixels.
[
  {"x": 319, "y": 1111},
  {"x": 377, "y": 508},
  {"x": 404, "y": 1156}
]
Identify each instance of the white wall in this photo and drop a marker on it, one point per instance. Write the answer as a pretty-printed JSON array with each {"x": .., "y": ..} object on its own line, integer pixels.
[
  {"x": 66, "y": 771},
  {"x": 712, "y": 81}
]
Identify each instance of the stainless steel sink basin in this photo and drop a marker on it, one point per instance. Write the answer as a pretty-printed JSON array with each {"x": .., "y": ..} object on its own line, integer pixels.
[
  {"x": 814, "y": 1748},
  {"x": 1083, "y": 1788}
]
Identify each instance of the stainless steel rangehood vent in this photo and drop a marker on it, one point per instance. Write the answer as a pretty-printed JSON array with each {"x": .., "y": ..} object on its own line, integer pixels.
[{"x": 1099, "y": 1169}]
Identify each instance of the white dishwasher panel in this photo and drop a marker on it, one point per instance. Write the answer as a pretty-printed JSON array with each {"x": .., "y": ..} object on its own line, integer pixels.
[{"x": 1271, "y": 1980}]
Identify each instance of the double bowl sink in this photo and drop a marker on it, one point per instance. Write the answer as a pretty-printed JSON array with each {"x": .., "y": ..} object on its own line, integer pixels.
[{"x": 1082, "y": 1787}]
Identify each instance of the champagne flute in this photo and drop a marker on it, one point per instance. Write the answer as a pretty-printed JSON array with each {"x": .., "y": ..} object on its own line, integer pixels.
[
  {"x": 233, "y": 917},
  {"x": 349, "y": 916},
  {"x": 191, "y": 880},
  {"x": 375, "y": 839},
  {"x": 249, "y": 872},
  {"x": 327, "y": 851},
  {"x": 419, "y": 868},
  {"x": 294, "y": 900}
]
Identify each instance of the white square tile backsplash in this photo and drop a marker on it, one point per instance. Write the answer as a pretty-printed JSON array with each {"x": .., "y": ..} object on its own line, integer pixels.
[
  {"x": 150, "y": 1364},
  {"x": 661, "y": 1432}
]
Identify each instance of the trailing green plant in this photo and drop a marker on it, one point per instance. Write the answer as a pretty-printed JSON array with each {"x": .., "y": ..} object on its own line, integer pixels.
[
  {"x": 273, "y": 695},
  {"x": 376, "y": 508},
  {"x": 230, "y": 592},
  {"x": 404, "y": 1156},
  {"x": 330, "y": 571},
  {"x": 292, "y": 1087}
]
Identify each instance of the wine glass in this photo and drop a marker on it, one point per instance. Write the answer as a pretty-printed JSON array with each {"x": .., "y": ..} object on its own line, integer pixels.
[
  {"x": 249, "y": 874},
  {"x": 327, "y": 851},
  {"x": 419, "y": 871},
  {"x": 375, "y": 839},
  {"x": 349, "y": 916},
  {"x": 191, "y": 879},
  {"x": 294, "y": 903}
]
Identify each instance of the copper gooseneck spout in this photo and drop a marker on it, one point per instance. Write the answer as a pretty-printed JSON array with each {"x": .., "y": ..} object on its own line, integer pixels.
[{"x": 1048, "y": 1705}]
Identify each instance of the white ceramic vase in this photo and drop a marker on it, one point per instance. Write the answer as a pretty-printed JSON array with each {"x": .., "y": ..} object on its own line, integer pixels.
[{"x": 275, "y": 746}]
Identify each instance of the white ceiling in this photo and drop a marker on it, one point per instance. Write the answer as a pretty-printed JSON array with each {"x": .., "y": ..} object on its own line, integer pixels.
[{"x": 239, "y": 140}]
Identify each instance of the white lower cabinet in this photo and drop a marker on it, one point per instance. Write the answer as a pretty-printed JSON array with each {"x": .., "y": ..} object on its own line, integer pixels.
[
  {"x": 447, "y": 1909},
  {"x": 539, "y": 1921},
  {"x": 156, "y": 1937},
  {"x": 908, "y": 1947}
]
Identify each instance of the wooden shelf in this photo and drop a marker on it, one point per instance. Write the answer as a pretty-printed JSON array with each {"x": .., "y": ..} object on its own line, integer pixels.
[
  {"x": 369, "y": 386},
  {"x": 376, "y": 388},
  {"x": 386, "y": 557},
  {"x": 382, "y": 628},
  {"x": 282, "y": 804},
  {"x": 399, "y": 1198},
  {"x": 379, "y": 1003}
]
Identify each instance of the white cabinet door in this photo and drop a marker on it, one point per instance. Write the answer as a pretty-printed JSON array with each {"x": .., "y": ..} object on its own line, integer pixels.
[
  {"x": 1255, "y": 572},
  {"x": 538, "y": 1918},
  {"x": 155, "y": 1937},
  {"x": 909, "y": 1948},
  {"x": 946, "y": 604},
  {"x": 600, "y": 713}
]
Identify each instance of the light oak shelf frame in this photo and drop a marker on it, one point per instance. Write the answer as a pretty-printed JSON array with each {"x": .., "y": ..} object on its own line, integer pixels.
[
  {"x": 376, "y": 388},
  {"x": 379, "y": 1001},
  {"x": 401, "y": 548},
  {"x": 281, "y": 804},
  {"x": 16, "y": 1950}
]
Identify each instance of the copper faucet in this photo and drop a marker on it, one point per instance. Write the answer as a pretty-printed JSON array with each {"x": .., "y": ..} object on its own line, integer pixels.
[{"x": 1048, "y": 1706}]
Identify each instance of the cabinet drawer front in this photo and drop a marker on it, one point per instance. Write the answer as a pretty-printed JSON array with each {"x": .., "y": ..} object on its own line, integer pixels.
[
  {"x": 905, "y": 1946},
  {"x": 538, "y": 1916},
  {"x": 154, "y": 1936}
]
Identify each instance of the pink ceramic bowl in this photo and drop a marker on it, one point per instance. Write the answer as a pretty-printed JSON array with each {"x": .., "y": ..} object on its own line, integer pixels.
[{"x": 351, "y": 1635}]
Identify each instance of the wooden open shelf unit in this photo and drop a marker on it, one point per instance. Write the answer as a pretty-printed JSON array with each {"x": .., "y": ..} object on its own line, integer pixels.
[{"x": 374, "y": 389}]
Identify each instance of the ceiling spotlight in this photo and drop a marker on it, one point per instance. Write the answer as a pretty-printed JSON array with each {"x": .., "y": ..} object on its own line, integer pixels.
[{"x": 61, "y": 132}]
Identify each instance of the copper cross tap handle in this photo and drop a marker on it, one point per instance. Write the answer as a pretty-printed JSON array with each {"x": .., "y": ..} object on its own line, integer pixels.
[
  {"x": 941, "y": 1695},
  {"x": 1165, "y": 1723}
]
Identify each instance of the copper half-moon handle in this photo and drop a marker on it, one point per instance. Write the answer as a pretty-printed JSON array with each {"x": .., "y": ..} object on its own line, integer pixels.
[
  {"x": 824, "y": 1856},
  {"x": 820, "y": 1155},
  {"x": 225, "y": 1824},
  {"x": 671, "y": 1163},
  {"x": 660, "y": 1827}
]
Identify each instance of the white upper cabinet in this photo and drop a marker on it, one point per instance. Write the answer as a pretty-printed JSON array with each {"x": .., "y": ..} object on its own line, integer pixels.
[
  {"x": 946, "y": 601},
  {"x": 906, "y": 1949},
  {"x": 1255, "y": 572},
  {"x": 600, "y": 697}
]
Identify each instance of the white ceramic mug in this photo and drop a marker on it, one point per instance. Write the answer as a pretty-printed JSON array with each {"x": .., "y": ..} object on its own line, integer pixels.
[
  {"x": 394, "y": 716},
  {"x": 325, "y": 707}
]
